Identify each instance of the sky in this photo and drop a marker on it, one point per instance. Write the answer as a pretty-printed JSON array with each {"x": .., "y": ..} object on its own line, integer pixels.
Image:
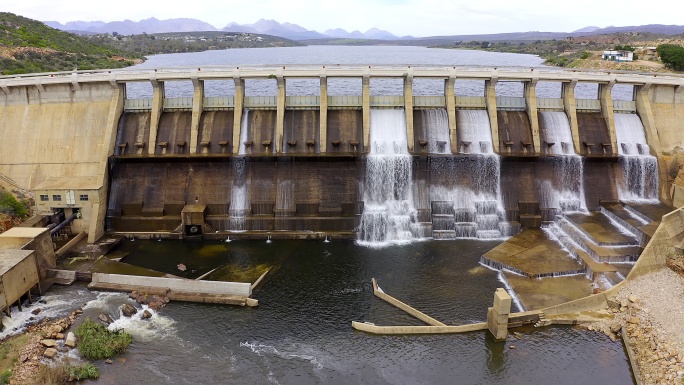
[{"x": 400, "y": 17}]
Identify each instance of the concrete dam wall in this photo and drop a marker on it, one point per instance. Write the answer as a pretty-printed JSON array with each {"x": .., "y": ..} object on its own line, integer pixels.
[{"x": 458, "y": 166}]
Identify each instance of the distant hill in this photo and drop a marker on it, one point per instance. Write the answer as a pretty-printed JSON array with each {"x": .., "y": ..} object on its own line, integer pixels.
[
  {"x": 587, "y": 29},
  {"x": 129, "y": 27},
  {"x": 262, "y": 26},
  {"x": 28, "y": 45}
]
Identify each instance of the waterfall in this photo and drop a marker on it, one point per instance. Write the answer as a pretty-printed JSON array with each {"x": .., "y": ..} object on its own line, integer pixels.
[
  {"x": 639, "y": 168},
  {"x": 471, "y": 183},
  {"x": 389, "y": 214},
  {"x": 436, "y": 126},
  {"x": 239, "y": 197},
  {"x": 566, "y": 191}
]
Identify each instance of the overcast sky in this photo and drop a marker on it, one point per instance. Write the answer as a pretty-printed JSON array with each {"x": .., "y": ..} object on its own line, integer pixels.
[{"x": 401, "y": 17}]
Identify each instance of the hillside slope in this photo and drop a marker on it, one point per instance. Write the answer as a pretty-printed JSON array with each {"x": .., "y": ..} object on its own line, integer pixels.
[{"x": 28, "y": 46}]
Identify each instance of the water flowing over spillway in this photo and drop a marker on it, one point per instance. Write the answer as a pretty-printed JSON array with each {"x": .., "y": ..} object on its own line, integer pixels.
[
  {"x": 239, "y": 197},
  {"x": 389, "y": 214},
  {"x": 467, "y": 203},
  {"x": 566, "y": 191},
  {"x": 436, "y": 123},
  {"x": 639, "y": 167}
]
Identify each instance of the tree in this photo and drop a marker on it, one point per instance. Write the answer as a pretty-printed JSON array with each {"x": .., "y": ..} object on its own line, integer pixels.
[{"x": 672, "y": 56}]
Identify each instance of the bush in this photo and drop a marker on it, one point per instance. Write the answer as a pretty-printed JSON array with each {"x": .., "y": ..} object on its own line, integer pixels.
[
  {"x": 85, "y": 372},
  {"x": 11, "y": 206},
  {"x": 672, "y": 56},
  {"x": 97, "y": 342},
  {"x": 5, "y": 377},
  {"x": 585, "y": 55}
]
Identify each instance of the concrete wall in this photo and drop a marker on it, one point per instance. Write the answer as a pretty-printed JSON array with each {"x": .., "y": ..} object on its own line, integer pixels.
[
  {"x": 667, "y": 103},
  {"x": 176, "y": 284}
]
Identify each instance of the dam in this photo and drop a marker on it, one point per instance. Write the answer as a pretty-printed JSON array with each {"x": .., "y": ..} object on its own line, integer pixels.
[{"x": 378, "y": 168}]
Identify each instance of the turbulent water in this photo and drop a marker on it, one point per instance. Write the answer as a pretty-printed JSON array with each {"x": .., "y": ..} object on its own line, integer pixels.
[
  {"x": 566, "y": 191},
  {"x": 389, "y": 214},
  {"x": 639, "y": 180}
]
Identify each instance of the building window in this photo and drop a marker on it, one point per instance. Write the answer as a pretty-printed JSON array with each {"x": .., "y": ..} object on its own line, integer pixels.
[
  {"x": 57, "y": 198},
  {"x": 44, "y": 198},
  {"x": 83, "y": 197}
]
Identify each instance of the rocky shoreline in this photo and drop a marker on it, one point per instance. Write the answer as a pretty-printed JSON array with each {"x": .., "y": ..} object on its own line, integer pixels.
[{"x": 650, "y": 309}]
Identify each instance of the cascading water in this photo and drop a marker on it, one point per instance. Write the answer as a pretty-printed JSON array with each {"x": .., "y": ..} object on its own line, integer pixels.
[
  {"x": 478, "y": 211},
  {"x": 639, "y": 168},
  {"x": 239, "y": 199},
  {"x": 389, "y": 214},
  {"x": 566, "y": 191},
  {"x": 436, "y": 125}
]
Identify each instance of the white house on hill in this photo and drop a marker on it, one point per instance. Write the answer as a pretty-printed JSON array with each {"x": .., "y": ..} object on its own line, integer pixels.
[{"x": 619, "y": 56}]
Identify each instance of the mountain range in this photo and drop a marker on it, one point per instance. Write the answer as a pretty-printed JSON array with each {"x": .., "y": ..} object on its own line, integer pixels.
[
  {"x": 297, "y": 32},
  {"x": 263, "y": 26}
]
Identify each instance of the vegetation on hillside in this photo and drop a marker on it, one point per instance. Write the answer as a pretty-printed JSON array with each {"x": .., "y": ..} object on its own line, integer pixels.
[
  {"x": 150, "y": 44},
  {"x": 30, "y": 46},
  {"x": 672, "y": 56},
  {"x": 9, "y": 205}
]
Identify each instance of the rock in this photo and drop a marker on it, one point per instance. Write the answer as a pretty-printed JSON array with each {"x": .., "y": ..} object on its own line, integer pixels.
[
  {"x": 48, "y": 343},
  {"x": 633, "y": 320},
  {"x": 146, "y": 314},
  {"x": 141, "y": 299},
  {"x": 154, "y": 305},
  {"x": 109, "y": 361},
  {"x": 632, "y": 298},
  {"x": 105, "y": 318},
  {"x": 70, "y": 340},
  {"x": 182, "y": 267},
  {"x": 59, "y": 336},
  {"x": 128, "y": 310},
  {"x": 615, "y": 327},
  {"x": 50, "y": 352},
  {"x": 134, "y": 294},
  {"x": 512, "y": 347},
  {"x": 36, "y": 311},
  {"x": 78, "y": 311}
]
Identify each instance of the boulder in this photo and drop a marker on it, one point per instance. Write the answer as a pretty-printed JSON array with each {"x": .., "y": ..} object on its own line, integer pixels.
[
  {"x": 59, "y": 336},
  {"x": 134, "y": 294},
  {"x": 146, "y": 314},
  {"x": 105, "y": 318},
  {"x": 70, "y": 340},
  {"x": 36, "y": 311},
  {"x": 141, "y": 299},
  {"x": 48, "y": 343},
  {"x": 128, "y": 310},
  {"x": 50, "y": 352},
  {"x": 632, "y": 298}
]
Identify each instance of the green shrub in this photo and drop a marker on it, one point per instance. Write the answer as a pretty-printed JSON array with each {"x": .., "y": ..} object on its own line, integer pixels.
[
  {"x": 585, "y": 55},
  {"x": 5, "y": 377},
  {"x": 97, "y": 342},
  {"x": 85, "y": 372},
  {"x": 672, "y": 56},
  {"x": 11, "y": 206}
]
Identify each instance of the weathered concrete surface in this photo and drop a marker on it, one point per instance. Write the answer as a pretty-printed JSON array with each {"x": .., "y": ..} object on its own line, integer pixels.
[
  {"x": 174, "y": 284},
  {"x": 532, "y": 253},
  {"x": 408, "y": 309},
  {"x": 537, "y": 294}
]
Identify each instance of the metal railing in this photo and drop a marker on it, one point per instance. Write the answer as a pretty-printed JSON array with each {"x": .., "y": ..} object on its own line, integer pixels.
[
  {"x": 550, "y": 104},
  {"x": 588, "y": 104}
]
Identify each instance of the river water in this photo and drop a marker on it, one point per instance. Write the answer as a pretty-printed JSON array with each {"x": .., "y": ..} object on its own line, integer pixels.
[{"x": 301, "y": 332}]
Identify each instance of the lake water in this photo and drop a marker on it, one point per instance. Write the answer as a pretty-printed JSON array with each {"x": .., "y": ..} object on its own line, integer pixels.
[{"x": 355, "y": 56}]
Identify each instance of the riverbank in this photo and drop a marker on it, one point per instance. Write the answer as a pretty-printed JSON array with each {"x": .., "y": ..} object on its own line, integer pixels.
[{"x": 651, "y": 310}]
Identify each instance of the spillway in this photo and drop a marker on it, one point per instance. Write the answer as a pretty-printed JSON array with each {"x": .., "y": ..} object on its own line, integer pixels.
[
  {"x": 565, "y": 191},
  {"x": 435, "y": 123},
  {"x": 389, "y": 214},
  {"x": 467, "y": 200},
  {"x": 239, "y": 197},
  {"x": 639, "y": 180}
]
